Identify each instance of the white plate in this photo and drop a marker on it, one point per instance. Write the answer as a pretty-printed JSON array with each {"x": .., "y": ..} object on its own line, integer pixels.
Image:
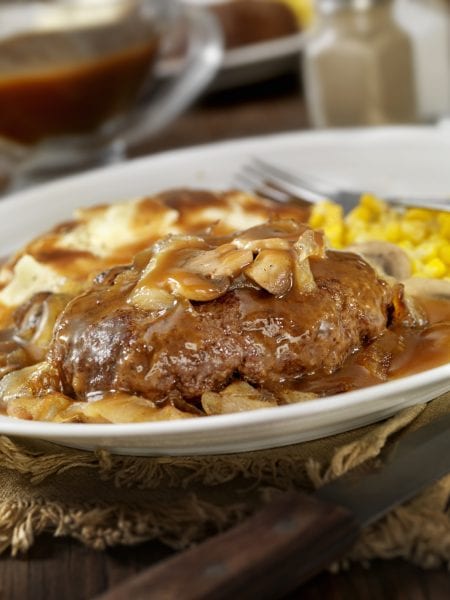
[{"x": 391, "y": 160}]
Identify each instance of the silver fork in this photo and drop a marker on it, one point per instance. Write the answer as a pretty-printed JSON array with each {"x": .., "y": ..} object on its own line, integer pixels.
[{"x": 280, "y": 185}]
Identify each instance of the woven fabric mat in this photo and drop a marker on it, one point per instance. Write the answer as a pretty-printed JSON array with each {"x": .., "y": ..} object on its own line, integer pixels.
[{"x": 104, "y": 500}]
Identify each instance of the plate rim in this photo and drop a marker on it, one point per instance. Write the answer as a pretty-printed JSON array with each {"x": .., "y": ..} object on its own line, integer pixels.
[
  {"x": 264, "y": 51},
  {"x": 279, "y": 414},
  {"x": 117, "y": 432},
  {"x": 248, "y": 55}
]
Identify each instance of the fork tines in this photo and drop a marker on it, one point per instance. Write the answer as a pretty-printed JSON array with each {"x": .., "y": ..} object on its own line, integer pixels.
[{"x": 271, "y": 182}]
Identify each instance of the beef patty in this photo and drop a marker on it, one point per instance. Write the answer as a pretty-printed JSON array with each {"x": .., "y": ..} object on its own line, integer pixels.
[{"x": 104, "y": 342}]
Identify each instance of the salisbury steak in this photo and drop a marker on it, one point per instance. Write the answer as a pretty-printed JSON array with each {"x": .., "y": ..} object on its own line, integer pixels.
[{"x": 108, "y": 339}]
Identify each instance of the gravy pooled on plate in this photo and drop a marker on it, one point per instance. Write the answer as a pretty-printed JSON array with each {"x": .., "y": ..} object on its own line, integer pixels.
[{"x": 183, "y": 313}]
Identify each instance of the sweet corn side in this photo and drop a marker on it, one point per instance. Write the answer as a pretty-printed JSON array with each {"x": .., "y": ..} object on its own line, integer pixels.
[{"x": 423, "y": 234}]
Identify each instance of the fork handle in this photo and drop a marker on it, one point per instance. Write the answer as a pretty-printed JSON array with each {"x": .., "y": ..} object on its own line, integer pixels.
[
  {"x": 441, "y": 204},
  {"x": 266, "y": 556}
]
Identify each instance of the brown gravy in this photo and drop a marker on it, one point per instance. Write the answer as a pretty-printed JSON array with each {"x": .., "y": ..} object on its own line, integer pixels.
[
  {"x": 74, "y": 98},
  {"x": 429, "y": 347},
  {"x": 398, "y": 352}
]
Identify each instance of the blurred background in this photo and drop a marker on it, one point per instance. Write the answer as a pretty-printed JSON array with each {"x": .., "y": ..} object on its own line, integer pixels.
[
  {"x": 301, "y": 64},
  {"x": 78, "y": 77},
  {"x": 360, "y": 62}
]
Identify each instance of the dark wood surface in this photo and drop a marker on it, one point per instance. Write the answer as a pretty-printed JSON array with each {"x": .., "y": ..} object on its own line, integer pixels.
[
  {"x": 284, "y": 544},
  {"x": 63, "y": 569}
]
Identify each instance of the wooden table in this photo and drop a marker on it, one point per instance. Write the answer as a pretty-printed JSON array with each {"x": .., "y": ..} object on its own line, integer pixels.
[{"x": 62, "y": 569}]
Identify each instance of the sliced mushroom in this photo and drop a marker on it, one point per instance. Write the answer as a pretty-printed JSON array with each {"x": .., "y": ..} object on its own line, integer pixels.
[
  {"x": 193, "y": 286},
  {"x": 275, "y": 235},
  {"x": 224, "y": 261},
  {"x": 167, "y": 276},
  {"x": 196, "y": 268},
  {"x": 273, "y": 271},
  {"x": 385, "y": 257},
  {"x": 434, "y": 288}
]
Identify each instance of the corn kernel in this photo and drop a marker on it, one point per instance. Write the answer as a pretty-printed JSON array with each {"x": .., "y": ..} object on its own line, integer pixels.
[
  {"x": 427, "y": 250},
  {"x": 360, "y": 213},
  {"x": 444, "y": 253},
  {"x": 334, "y": 234},
  {"x": 435, "y": 268},
  {"x": 420, "y": 214},
  {"x": 443, "y": 220},
  {"x": 328, "y": 216},
  {"x": 405, "y": 245},
  {"x": 316, "y": 219},
  {"x": 423, "y": 234},
  {"x": 416, "y": 231},
  {"x": 416, "y": 266},
  {"x": 326, "y": 211},
  {"x": 374, "y": 204},
  {"x": 393, "y": 231}
]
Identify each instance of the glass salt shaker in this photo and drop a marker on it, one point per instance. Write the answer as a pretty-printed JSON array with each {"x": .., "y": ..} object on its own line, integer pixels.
[
  {"x": 428, "y": 24},
  {"x": 358, "y": 66}
]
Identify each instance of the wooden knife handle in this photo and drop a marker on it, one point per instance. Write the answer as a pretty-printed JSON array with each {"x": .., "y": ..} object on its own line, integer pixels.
[{"x": 266, "y": 556}]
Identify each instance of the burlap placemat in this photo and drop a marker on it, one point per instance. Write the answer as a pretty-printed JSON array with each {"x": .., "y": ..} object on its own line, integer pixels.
[{"x": 104, "y": 500}]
